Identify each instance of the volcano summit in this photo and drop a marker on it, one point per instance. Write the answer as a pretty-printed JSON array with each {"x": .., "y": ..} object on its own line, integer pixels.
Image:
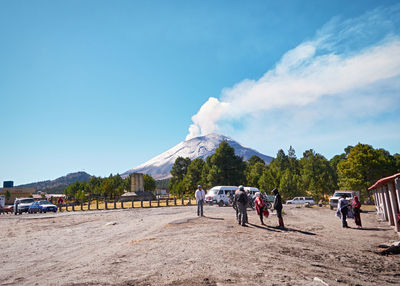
[{"x": 199, "y": 147}]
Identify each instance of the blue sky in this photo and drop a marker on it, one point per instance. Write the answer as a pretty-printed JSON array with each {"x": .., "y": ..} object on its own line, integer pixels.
[{"x": 103, "y": 86}]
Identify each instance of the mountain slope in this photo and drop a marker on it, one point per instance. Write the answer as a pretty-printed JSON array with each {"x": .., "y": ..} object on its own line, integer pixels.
[
  {"x": 58, "y": 185},
  {"x": 200, "y": 147}
]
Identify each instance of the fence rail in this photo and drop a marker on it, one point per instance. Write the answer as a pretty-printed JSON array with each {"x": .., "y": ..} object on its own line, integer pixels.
[
  {"x": 114, "y": 204},
  {"x": 101, "y": 204}
]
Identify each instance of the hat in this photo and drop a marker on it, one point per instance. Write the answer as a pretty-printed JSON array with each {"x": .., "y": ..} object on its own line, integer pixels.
[
  {"x": 258, "y": 194},
  {"x": 275, "y": 191},
  {"x": 241, "y": 187},
  {"x": 199, "y": 186}
]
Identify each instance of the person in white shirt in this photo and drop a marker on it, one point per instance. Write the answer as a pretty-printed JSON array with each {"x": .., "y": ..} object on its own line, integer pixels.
[
  {"x": 200, "y": 196},
  {"x": 343, "y": 209}
]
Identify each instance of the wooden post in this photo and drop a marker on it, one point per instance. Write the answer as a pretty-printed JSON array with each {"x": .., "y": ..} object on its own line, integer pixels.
[
  {"x": 141, "y": 203},
  {"x": 97, "y": 203},
  {"x": 149, "y": 203},
  {"x": 81, "y": 205},
  {"x": 189, "y": 203},
  {"x": 115, "y": 203},
  {"x": 88, "y": 206},
  {"x": 105, "y": 203},
  {"x": 397, "y": 189},
  {"x": 122, "y": 204},
  {"x": 73, "y": 206},
  {"x": 167, "y": 201},
  {"x": 133, "y": 203},
  {"x": 388, "y": 205},
  {"x": 183, "y": 201},
  {"x": 158, "y": 202},
  {"x": 175, "y": 201},
  {"x": 394, "y": 207}
]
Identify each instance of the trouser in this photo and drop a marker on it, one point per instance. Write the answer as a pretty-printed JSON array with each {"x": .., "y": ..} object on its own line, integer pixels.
[
  {"x": 237, "y": 211},
  {"x": 242, "y": 218},
  {"x": 200, "y": 207},
  {"x": 262, "y": 215},
  {"x": 280, "y": 218},
  {"x": 357, "y": 218},
  {"x": 344, "y": 216}
]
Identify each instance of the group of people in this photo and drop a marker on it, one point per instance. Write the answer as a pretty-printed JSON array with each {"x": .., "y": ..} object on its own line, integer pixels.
[
  {"x": 240, "y": 203},
  {"x": 241, "y": 200},
  {"x": 346, "y": 210}
]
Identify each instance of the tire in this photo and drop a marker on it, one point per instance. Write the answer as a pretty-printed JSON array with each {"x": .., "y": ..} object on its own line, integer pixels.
[
  {"x": 220, "y": 203},
  {"x": 331, "y": 207},
  {"x": 269, "y": 205}
]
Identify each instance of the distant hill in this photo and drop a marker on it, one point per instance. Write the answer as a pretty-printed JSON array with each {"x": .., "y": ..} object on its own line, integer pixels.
[
  {"x": 200, "y": 147},
  {"x": 58, "y": 185}
]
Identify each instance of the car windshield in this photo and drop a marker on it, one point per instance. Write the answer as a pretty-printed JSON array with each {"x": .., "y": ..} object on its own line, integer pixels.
[
  {"x": 342, "y": 194},
  {"x": 309, "y": 198},
  {"x": 212, "y": 192},
  {"x": 44, "y": 202},
  {"x": 26, "y": 201}
]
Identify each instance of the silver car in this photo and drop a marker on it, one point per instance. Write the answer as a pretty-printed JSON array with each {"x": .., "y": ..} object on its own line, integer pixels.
[{"x": 21, "y": 205}]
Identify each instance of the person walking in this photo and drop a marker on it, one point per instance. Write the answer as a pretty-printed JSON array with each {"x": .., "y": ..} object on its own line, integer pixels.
[
  {"x": 278, "y": 207},
  {"x": 200, "y": 196},
  {"x": 343, "y": 205},
  {"x": 261, "y": 207},
  {"x": 241, "y": 204},
  {"x": 357, "y": 211}
]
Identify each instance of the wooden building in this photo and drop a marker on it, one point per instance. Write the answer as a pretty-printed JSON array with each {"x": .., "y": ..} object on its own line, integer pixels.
[
  {"x": 387, "y": 200},
  {"x": 16, "y": 192}
]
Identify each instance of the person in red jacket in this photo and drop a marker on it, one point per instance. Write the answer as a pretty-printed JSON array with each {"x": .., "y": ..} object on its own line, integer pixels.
[
  {"x": 261, "y": 207},
  {"x": 357, "y": 210}
]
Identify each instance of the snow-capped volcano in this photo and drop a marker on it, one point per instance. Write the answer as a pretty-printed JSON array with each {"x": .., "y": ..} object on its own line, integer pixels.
[{"x": 199, "y": 147}]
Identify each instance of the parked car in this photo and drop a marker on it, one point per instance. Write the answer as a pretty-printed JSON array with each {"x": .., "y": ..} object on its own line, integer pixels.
[
  {"x": 6, "y": 209},
  {"x": 333, "y": 201},
  {"x": 220, "y": 195},
  {"x": 301, "y": 201},
  {"x": 42, "y": 206},
  {"x": 22, "y": 205}
]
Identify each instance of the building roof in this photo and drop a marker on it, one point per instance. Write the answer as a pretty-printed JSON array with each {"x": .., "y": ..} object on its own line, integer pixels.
[{"x": 384, "y": 181}]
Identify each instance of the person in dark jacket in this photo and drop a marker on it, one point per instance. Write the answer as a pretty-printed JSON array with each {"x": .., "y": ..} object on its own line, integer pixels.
[
  {"x": 278, "y": 207},
  {"x": 241, "y": 203},
  {"x": 343, "y": 209}
]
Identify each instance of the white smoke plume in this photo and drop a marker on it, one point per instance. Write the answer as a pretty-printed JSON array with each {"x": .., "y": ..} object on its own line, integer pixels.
[{"x": 344, "y": 58}]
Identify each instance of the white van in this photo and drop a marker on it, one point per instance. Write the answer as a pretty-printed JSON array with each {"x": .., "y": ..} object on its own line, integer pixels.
[
  {"x": 220, "y": 195},
  {"x": 251, "y": 191}
]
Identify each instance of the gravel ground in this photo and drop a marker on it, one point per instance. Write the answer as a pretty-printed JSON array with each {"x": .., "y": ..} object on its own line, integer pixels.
[{"x": 172, "y": 246}]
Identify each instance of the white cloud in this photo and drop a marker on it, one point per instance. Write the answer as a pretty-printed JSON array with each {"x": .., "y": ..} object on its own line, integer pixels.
[{"x": 350, "y": 67}]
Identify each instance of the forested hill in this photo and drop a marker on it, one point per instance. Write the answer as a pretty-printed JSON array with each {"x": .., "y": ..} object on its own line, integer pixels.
[{"x": 58, "y": 185}]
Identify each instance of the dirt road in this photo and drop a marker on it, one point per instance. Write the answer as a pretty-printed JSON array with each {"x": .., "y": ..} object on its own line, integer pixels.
[{"x": 172, "y": 246}]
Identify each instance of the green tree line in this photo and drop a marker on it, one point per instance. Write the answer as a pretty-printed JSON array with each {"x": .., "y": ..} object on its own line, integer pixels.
[
  {"x": 311, "y": 175},
  {"x": 109, "y": 187}
]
